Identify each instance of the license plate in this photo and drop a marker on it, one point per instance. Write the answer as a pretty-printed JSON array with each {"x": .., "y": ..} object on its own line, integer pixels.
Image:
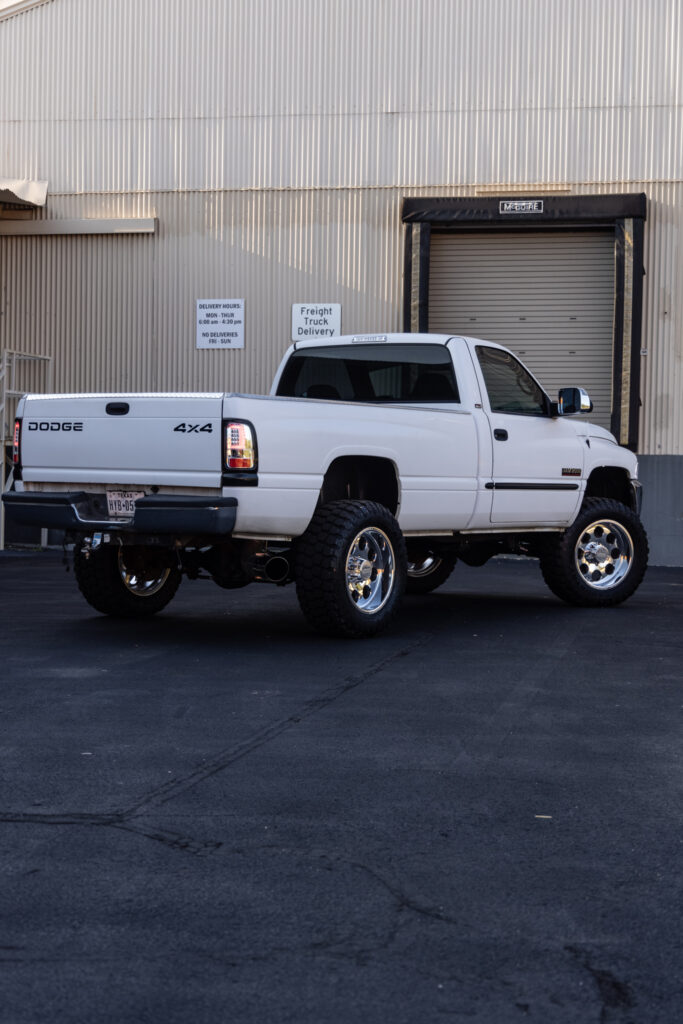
[{"x": 121, "y": 504}]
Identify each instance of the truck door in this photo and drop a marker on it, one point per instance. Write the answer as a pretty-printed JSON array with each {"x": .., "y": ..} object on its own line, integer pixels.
[{"x": 538, "y": 460}]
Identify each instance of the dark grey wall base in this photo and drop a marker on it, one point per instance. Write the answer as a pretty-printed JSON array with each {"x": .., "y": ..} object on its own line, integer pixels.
[{"x": 662, "y": 478}]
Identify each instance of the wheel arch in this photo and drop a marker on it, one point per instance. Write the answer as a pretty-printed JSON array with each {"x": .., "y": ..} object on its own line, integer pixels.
[
  {"x": 361, "y": 477},
  {"x": 611, "y": 482}
]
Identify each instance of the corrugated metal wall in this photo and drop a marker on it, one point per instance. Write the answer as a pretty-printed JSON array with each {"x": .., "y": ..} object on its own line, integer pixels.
[
  {"x": 662, "y": 367},
  {"x": 120, "y": 310},
  {"x": 126, "y": 95},
  {"x": 87, "y": 299},
  {"x": 275, "y": 139}
]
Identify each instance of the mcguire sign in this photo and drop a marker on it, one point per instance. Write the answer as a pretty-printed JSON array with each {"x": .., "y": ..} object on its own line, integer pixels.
[{"x": 520, "y": 206}]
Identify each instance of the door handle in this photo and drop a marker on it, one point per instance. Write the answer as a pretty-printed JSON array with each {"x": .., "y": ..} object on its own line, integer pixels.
[{"x": 500, "y": 435}]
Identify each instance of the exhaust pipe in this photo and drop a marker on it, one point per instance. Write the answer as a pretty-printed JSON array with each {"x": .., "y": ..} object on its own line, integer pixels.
[
  {"x": 269, "y": 566},
  {"x": 276, "y": 569}
]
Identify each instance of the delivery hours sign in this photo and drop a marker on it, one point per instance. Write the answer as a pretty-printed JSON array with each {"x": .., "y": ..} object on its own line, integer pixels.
[{"x": 220, "y": 323}]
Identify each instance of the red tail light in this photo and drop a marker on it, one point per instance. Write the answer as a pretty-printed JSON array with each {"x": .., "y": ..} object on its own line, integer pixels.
[
  {"x": 240, "y": 446},
  {"x": 16, "y": 448}
]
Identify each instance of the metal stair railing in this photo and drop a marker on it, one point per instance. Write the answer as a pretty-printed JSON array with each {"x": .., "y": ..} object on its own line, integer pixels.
[{"x": 11, "y": 390}]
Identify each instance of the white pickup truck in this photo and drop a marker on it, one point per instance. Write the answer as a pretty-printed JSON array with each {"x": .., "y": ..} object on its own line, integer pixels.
[{"x": 374, "y": 464}]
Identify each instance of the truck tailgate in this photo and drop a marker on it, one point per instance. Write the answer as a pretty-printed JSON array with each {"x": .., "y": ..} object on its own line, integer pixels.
[{"x": 161, "y": 439}]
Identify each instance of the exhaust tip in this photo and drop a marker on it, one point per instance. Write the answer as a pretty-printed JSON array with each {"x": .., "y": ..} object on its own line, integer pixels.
[{"x": 276, "y": 569}]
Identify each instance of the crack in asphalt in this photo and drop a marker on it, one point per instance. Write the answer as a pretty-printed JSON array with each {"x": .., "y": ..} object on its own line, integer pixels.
[
  {"x": 406, "y": 902},
  {"x": 125, "y": 818},
  {"x": 616, "y": 997}
]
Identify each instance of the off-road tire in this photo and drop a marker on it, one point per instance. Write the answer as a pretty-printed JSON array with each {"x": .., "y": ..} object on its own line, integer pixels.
[
  {"x": 331, "y": 566},
  {"x": 428, "y": 572},
  {"x": 601, "y": 559},
  {"x": 100, "y": 580}
]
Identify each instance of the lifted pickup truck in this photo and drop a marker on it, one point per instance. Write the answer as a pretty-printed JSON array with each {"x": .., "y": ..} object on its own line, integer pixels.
[{"x": 374, "y": 464}]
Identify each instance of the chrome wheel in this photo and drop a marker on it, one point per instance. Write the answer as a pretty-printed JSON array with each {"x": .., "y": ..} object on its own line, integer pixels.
[
  {"x": 127, "y": 583},
  {"x": 603, "y": 554},
  {"x": 428, "y": 570},
  {"x": 600, "y": 560},
  {"x": 350, "y": 568},
  {"x": 370, "y": 567},
  {"x": 425, "y": 567},
  {"x": 138, "y": 584}
]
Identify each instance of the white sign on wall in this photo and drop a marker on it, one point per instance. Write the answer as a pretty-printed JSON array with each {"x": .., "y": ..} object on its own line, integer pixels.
[
  {"x": 220, "y": 323},
  {"x": 316, "y": 320},
  {"x": 520, "y": 206}
]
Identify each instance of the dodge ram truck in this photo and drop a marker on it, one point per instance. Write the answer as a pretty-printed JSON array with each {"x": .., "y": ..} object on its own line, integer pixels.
[{"x": 374, "y": 464}]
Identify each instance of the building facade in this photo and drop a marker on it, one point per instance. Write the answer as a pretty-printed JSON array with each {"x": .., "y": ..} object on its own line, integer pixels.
[{"x": 510, "y": 169}]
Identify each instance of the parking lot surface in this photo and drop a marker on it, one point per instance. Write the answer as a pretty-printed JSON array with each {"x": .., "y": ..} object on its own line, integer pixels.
[{"x": 218, "y": 815}]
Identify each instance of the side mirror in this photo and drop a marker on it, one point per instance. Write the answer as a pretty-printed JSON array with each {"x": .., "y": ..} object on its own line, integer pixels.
[{"x": 571, "y": 400}]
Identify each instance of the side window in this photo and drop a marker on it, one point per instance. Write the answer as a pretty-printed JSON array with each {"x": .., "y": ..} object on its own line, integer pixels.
[{"x": 510, "y": 387}]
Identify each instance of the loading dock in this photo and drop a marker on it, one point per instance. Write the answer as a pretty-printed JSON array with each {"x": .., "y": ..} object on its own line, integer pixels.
[{"x": 557, "y": 279}]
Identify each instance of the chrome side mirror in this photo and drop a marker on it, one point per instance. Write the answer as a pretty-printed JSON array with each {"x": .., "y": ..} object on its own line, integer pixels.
[{"x": 571, "y": 400}]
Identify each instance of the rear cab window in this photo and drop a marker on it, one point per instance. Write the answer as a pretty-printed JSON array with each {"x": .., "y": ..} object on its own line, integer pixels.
[{"x": 371, "y": 373}]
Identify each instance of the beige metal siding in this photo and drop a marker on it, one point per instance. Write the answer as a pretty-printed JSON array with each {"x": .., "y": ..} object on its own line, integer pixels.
[
  {"x": 275, "y": 139},
  {"x": 119, "y": 312},
  {"x": 87, "y": 302},
  {"x": 547, "y": 295},
  {"x": 661, "y": 389},
  {"x": 272, "y": 249},
  {"x": 122, "y": 95}
]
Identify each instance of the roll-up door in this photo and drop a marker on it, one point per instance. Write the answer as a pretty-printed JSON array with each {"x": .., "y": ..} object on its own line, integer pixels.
[{"x": 547, "y": 295}]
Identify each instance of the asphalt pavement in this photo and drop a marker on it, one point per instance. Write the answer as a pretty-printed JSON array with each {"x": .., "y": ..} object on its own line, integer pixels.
[{"x": 220, "y": 816}]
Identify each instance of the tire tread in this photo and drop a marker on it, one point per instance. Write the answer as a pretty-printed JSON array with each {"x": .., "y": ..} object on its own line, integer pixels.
[
  {"x": 557, "y": 558},
  {"x": 100, "y": 584},
  {"x": 319, "y": 552}
]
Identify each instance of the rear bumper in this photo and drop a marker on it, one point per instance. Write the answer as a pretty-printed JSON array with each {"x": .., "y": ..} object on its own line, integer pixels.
[{"x": 81, "y": 512}]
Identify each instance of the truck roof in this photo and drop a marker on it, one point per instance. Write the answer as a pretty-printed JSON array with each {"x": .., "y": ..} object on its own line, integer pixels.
[
  {"x": 373, "y": 339},
  {"x": 392, "y": 339}
]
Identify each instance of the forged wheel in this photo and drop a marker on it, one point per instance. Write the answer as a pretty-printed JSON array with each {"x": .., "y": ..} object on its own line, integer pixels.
[
  {"x": 126, "y": 583},
  {"x": 370, "y": 570},
  {"x": 140, "y": 585},
  {"x": 350, "y": 568},
  {"x": 428, "y": 571},
  {"x": 604, "y": 553},
  {"x": 601, "y": 559}
]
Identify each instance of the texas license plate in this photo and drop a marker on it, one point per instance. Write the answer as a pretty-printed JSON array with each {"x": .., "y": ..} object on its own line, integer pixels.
[{"x": 121, "y": 504}]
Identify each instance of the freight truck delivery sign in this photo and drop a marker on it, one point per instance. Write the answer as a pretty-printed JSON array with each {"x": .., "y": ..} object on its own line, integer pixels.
[{"x": 316, "y": 320}]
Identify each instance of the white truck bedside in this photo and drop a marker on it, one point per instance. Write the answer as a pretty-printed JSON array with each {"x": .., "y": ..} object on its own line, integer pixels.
[{"x": 376, "y": 462}]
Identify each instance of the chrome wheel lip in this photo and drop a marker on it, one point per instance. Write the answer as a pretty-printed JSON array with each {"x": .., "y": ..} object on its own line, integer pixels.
[
  {"x": 369, "y": 570},
  {"x": 603, "y": 554},
  {"x": 425, "y": 567},
  {"x": 139, "y": 587}
]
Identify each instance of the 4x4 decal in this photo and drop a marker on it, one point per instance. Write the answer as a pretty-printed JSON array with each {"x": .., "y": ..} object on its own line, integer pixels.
[{"x": 193, "y": 428}]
